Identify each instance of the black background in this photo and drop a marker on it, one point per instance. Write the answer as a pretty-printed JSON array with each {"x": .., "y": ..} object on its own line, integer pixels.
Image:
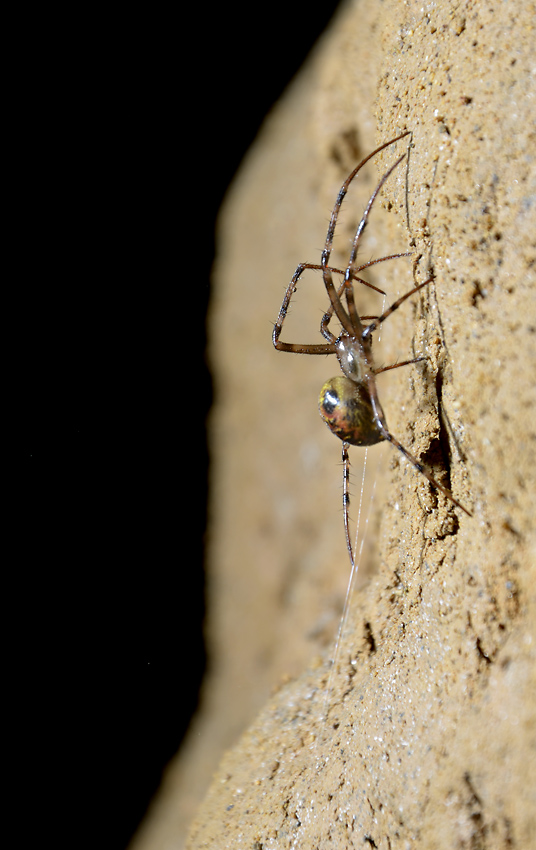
[{"x": 125, "y": 134}]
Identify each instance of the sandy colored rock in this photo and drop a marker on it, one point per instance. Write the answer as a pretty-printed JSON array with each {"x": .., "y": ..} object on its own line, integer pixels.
[{"x": 430, "y": 736}]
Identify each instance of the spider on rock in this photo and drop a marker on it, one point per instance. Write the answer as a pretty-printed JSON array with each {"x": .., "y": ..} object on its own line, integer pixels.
[{"x": 349, "y": 403}]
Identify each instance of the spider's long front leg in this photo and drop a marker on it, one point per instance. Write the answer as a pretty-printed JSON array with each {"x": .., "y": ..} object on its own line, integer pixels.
[
  {"x": 344, "y": 189},
  {"x": 350, "y": 321}
]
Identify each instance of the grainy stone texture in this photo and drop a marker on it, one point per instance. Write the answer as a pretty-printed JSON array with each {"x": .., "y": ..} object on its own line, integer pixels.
[{"x": 430, "y": 739}]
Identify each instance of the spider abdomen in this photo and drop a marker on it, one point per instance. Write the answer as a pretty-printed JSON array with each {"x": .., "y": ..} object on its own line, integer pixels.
[{"x": 346, "y": 409}]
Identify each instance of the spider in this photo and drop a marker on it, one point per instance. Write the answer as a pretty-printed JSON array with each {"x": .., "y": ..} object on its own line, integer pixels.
[{"x": 349, "y": 403}]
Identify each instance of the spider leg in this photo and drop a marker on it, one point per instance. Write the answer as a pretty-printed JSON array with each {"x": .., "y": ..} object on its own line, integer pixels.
[
  {"x": 426, "y": 472},
  {"x": 352, "y": 312},
  {"x": 354, "y": 275},
  {"x": 297, "y": 348},
  {"x": 364, "y": 218},
  {"x": 351, "y": 328},
  {"x": 353, "y": 255},
  {"x": 291, "y": 289},
  {"x": 346, "y": 498},
  {"x": 379, "y": 417},
  {"x": 380, "y": 260},
  {"x": 342, "y": 193},
  {"x": 372, "y": 327},
  {"x": 396, "y": 365},
  {"x": 350, "y": 321}
]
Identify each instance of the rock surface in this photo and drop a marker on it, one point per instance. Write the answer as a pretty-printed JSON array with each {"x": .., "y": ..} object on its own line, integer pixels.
[{"x": 430, "y": 734}]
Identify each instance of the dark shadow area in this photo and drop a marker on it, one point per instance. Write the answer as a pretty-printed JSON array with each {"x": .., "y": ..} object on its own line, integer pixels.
[{"x": 128, "y": 131}]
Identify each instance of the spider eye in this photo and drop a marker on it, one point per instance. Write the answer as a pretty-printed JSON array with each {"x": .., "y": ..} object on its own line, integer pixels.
[{"x": 346, "y": 409}]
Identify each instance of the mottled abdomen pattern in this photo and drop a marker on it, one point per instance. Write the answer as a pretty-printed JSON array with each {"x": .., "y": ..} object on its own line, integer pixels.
[{"x": 346, "y": 409}]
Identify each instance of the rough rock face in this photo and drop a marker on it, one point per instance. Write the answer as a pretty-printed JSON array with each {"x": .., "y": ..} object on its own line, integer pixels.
[{"x": 426, "y": 736}]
